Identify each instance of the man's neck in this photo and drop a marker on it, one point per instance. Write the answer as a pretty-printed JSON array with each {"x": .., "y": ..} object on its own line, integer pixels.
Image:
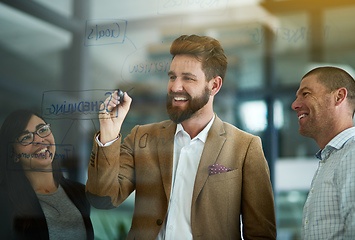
[
  {"x": 322, "y": 141},
  {"x": 194, "y": 125}
]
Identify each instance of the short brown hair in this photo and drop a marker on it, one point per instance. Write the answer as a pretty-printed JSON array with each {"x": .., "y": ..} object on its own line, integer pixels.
[
  {"x": 334, "y": 78},
  {"x": 205, "y": 49}
]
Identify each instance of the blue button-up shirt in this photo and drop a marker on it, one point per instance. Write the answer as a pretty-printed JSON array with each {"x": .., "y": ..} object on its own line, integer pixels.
[{"x": 329, "y": 212}]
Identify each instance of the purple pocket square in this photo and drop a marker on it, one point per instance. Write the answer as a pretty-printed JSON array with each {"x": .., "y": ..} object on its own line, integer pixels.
[{"x": 217, "y": 168}]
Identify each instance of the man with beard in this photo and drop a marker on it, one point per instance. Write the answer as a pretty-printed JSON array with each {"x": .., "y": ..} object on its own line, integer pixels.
[
  {"x": 325, "y": 106},
  {"x": 194, "y": 176}
]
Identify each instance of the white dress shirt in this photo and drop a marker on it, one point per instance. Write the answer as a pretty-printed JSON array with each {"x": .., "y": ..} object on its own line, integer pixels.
[{"x": 187, "y": 155}]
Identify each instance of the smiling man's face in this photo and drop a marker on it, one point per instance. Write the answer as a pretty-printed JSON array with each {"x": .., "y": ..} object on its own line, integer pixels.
[
  {"x": 314, "y": 107},
  {"x": 188, "y": 90}
]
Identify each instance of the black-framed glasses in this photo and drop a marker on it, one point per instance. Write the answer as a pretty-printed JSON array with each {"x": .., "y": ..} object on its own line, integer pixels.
[{"x": 28, "y": 138}]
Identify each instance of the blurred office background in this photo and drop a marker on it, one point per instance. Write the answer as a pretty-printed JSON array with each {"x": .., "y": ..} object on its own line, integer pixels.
[{"x": 60, "y": 52}]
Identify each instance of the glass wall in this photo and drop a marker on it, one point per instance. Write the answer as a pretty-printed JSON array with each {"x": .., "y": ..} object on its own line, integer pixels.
[{"x": 57, "y": 53}]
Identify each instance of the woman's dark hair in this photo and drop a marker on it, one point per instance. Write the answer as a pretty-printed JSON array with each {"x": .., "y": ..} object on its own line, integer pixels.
[{"x": 12, "y": 175}]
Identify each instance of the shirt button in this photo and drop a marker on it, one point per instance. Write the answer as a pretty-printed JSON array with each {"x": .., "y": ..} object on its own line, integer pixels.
[{"x": 159, "y": 222}]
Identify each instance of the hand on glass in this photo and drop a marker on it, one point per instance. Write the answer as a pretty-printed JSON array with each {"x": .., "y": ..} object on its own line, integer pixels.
[{"x": 112, "y": 114}]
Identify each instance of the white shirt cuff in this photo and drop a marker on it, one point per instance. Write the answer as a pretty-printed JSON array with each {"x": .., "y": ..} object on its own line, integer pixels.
[{"x": 106, "y": 144}]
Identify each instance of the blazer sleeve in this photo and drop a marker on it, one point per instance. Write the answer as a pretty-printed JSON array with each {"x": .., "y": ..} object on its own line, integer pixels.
[
  {"x": 258, "y": 210},
  {"x": 111, "y": 174}
]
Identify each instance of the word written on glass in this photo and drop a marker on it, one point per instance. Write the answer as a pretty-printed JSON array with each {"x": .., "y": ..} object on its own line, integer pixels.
[
  {"x": 105, "y": 31},
  {"x": 78, "y": 105}
]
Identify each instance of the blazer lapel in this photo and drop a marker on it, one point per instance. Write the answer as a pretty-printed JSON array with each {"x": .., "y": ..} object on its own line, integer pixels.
[
  {"x": 165, "y": 155},
  {"x": 214, "y": 143}
]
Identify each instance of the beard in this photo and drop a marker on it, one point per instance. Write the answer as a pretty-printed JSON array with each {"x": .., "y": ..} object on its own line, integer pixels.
[{"x": 178, "y": 115}]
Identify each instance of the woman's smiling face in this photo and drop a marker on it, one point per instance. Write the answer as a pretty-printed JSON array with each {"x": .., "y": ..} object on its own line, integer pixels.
[{"x": 39, "y": 154}]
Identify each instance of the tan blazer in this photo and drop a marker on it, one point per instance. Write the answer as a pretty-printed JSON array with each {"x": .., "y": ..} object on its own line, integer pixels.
[{"x": 144, "y": 162}]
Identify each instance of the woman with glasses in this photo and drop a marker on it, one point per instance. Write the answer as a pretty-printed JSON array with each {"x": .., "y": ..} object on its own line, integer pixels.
[{"x": 36, "y": 201}]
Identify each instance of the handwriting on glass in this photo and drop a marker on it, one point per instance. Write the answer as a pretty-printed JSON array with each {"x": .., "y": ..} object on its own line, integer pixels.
[
  {"x": 84, "y": 105},
  {"x": 63, "y": 152},
  {"x": 105, "y": 31}
]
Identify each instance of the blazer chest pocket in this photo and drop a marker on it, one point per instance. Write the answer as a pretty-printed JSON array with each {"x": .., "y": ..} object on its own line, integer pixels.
[
  {"x": 235, "y": 173},
  {"x": 223, "y": 189}
]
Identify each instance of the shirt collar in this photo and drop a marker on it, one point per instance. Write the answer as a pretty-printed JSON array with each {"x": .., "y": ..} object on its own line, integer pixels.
[
  {"x": 337, "y": 142},
  {"x": 202, "y": 135}
]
